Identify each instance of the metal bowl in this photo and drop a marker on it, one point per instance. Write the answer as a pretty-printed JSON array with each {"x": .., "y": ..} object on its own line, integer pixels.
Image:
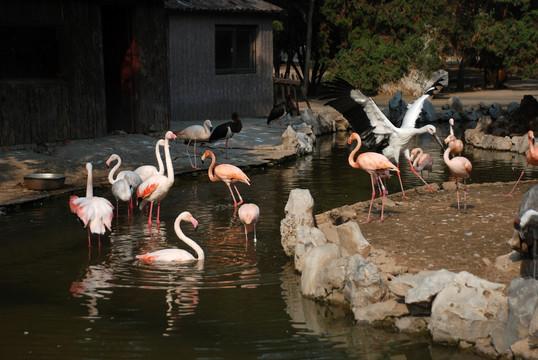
[{"x": 44, "y": 181}]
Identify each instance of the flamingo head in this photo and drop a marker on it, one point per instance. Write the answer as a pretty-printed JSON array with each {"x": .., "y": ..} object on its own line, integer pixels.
[
  {"x": 449, "y": 139},
  {"x": 208, "y": 125},
  {"x": 207, "y": 154},
  {"x": 451, "y": 121},
  {"x": 88, "y": 168},
  {"x": 170, "y": 135},
  {"x": 110, "y": 159},
  {"x": 187, "y": 216},
  {"x": 530, "y": 135},
  {"x": 354, "y": 136}
]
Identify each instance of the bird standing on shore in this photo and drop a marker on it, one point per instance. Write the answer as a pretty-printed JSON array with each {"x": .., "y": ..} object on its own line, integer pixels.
[
  {"x": 229, "y": 174},
  {"x": 227, "y": 130},
  {"x": 95, "y": 212},
  {"x": 282, "y": 110},
  {"x": 461, "y": 168},
  {"x": 531, "y": 156},
  {"x": 157, "y": 186},
  {"x": 373, "y": 163},
  {"x": 375, "y": 129},
  {"x": 195, "y": 133}
]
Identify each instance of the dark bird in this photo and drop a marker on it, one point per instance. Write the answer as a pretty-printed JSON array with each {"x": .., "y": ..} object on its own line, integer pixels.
[
  {"x": 227, "y": 130},
  {"x": 375, "y": 129},
  {"x": 282, "y": 110},
  {"x": 526, "y": 225}
]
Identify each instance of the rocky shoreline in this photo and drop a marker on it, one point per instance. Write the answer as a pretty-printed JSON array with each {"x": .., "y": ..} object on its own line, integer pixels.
[{"x": 338, "y": 265}]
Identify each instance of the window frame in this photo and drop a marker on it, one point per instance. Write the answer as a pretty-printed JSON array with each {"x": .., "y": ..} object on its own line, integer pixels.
[{"x": 236, "y": 68}]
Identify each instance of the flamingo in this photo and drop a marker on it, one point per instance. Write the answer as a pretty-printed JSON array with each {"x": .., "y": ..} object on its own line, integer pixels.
[
  {"x": 526, "y": 224},
  {"x": 421, "y": 161},
  {"x": 282, "y": 110},
  {"x": 132, "y": 179},
  {"x": 375, "y": 129},
  {"x": 146, "y": 171},
  {"x": 249, "y": 215},
  {"x": 531, "y": 156},
  {"x": 95, "y": 212},
  {"x": 374, "y": 164},
  {"x": 227, "y": 173},
  {"x": 195, "y": 133},
  {"x": 177, "y": 255},
  {"x": 461, "y": 168},
  {"x": 451, "y": 138},
  {"x": 227, "y": 130},
  {"x": 157, "y": 186}
]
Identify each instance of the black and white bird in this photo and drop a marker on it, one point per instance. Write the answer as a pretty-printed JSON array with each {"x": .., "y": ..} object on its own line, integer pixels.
[
  {"x": 227, "y": 130},
  {"x": 526, "y": 225},
  {"x": 377, "y": 132},
  {"x": 282, "y": 110}
]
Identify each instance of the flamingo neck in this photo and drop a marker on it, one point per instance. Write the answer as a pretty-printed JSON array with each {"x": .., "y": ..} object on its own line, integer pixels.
[
  {"x": 89, "y": 184},
  {"x": 417, "y": 156},
  {"x": 351, "y": 158},
  {"x": 210, "y": 173},
  {"x": 447, "y": 151},
  {"x": 113, "y": 171},
  {"x": 159, "y": 158},
  {"x": 188, "y": 241},
  {"x": 169, "y": 167}
]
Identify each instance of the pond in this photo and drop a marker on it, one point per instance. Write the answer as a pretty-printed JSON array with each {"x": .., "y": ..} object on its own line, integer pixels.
[{"x": 63, "y": 300}]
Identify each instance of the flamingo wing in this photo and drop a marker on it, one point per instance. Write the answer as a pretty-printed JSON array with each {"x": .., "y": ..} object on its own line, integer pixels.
[
  {"x": 147, "y": 188},
  {"x": 166, "y": 255},
  {"x": 231, "y": 172},
  {"x": 97, "y": 212}
]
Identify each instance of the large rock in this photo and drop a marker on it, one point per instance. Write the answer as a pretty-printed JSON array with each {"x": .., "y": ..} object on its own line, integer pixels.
[
  {"x": 307, "y": 237},
  {"x": 401, "y": 284},
  {"x": 363, "y": 285},
  {"x": 533, "y": 330},
  {"x": 314, "y": 278},
  {"x": 352, "y": 240},
  {"x": 299, "y": 211},
  {"x": 428, "y": 287},
  {"x": 380, "y": 311},
  {"x": 467, "y": 308},
  {"x": 522, "y": 304}
]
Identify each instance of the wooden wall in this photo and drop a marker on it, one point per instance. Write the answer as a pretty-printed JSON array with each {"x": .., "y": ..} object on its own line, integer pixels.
[{"x": 196, "y": 92}]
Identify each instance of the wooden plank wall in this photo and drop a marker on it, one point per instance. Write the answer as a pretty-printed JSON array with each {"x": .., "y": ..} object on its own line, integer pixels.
[{"x": 196, "y": 92}]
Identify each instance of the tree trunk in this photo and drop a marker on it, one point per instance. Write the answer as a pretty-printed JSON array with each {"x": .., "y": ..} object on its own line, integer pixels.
[
  {"x": 460, "y": 85},
  {"x": 308, "y": 51}
]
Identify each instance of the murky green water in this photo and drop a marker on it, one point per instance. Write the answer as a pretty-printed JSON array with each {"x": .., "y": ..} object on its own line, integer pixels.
[{"x": 61, "y": 300}]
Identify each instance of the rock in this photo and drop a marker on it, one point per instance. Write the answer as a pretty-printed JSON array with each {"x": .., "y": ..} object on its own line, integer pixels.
[
  {"x": 307, "y": 237},
  {"x": 520, "y": 144},
  {"x": 397, "y": 107},
  {"x": 522, "y": 303},
  {"x": 522, "y": 349},
  {"x": 310, "y": 119},
  {"x": 495, "y": 110},
  {"x": 304, "y": 143},
  {"x": 510, "y": 262},
  {"x": 352, "y": 240},
  {"x": 380, "y": 311},
  {"x": 316, "y": 263},
  {"x": 363, "y": 285},
  {"x": 412, "y": 324},
  {"x": 467, "y": 308},
  {"x": 512, "y": 108},
  {"x": 484, "y": 348},
  {"x": 289, "y": 139},
  {"x": 428, "y": 114},
  {"x": 326, "y": 121},
  {"x": 455, "y": 104},
  {"x": 400, "y": 285},
  {"x": 298, "y": 212},
  {"x": 429, "y": 286},
  {"x": 533, "y": 330}
]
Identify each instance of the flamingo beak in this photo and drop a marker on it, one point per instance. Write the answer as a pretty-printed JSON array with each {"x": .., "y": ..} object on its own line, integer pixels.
[{"x": 194, "y": 222}]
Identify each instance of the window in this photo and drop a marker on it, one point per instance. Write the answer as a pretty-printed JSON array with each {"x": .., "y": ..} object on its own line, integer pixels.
[
  {"x": 28, "y": 52},
  {"x": 235, "y": 49}
]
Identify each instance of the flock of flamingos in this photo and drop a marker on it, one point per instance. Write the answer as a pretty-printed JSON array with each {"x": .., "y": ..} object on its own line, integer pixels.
[{"x": 371, "y": 128}]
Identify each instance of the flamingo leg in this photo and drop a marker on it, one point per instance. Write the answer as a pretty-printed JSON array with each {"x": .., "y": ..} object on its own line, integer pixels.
[
  {"x": 420, "y": 177},
  {"x": 89, "y": 239},
  {"x": 517, "y": 182},
  {"x": 233, "y": 196},
  {"x": 371, "y": 200},
  {"x": 458, "y": 194},
  {"x": 257, "y": 240},
  {"x": 383, "y": 198},
  {"x": 464, "y": 195},
  {"x": 194, "y": 152},
  {"x": 401, "y": 185},
  {"x": 158, "y": 212},
  {"x": 99, "y": 240},
  {"x": 188, "y": 153},
  {"x": 150, "y": 212},
  {"x": 238, "y": 194}
]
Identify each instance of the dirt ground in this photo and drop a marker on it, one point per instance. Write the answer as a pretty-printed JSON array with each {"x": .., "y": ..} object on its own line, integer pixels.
[{"x": 426, "y": 231}]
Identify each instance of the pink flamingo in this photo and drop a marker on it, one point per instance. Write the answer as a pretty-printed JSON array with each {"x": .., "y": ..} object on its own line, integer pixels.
[
  {"x": 227, "y": 173},
  {"x": 374, "y": 164},
  {"x": 157, "y": 186},
  {"x": 146, "y": 171},
  {"x": 95, "y": 212},
  {"x": 531, "y": 156},
  {"x": 458, "y": 144},
  {"x": 249, "y": 215},
  {"x": 421, "y": 161},
  {"x": 461, "y": 168},
  {"x": 132, "y": 179},
  {"x": 177, "y": 255},
  {"x": 195, "y": 133}
]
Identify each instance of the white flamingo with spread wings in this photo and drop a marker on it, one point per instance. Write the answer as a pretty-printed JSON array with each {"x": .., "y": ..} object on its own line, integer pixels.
[
  {"x": 177, "y": 255},
  {"x": 95, "y": 212},
  {"x": 157, "y": 186}
]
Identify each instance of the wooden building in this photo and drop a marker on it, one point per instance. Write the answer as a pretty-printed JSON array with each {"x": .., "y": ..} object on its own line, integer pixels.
[{"x": 72, "y": 69}]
